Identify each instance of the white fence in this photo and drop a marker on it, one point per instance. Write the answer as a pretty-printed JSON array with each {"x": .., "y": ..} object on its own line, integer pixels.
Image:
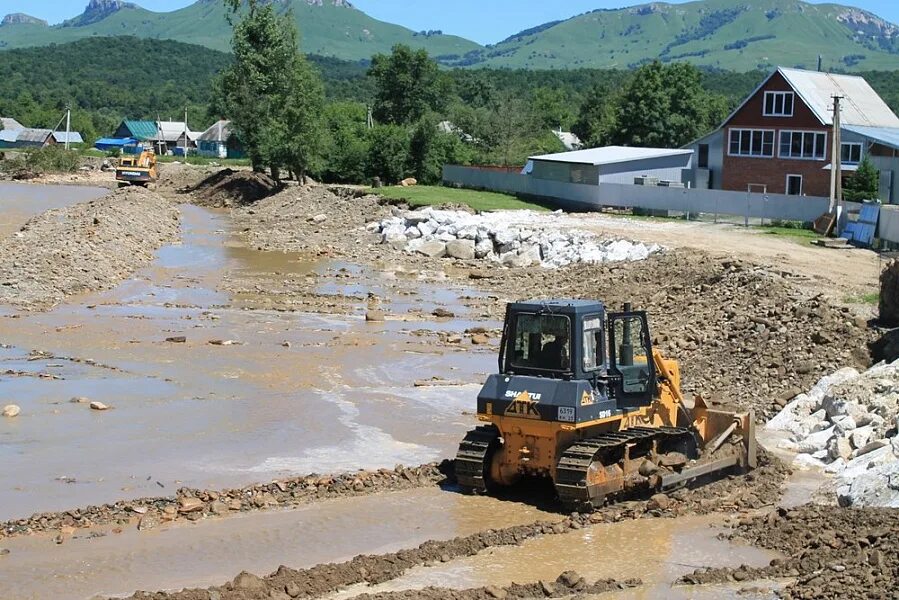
[{"x": 580, "y": 197}]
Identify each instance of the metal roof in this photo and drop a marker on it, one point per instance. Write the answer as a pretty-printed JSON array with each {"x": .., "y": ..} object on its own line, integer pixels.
[
  {"x": 610, "y": 155},
  {"x": 860, "y": 106},
  {"x": 220, "y": 132},
  {"x": 74, "y": 137},
  {"x": 9, "y": 135},
  {"x": 142, "y": 130},
  {"x": 171, "y": 131},
  {"x": 11, "y": 124},
  {"x": 34, "y": 136},
  {"x": 888, "y": 136}
]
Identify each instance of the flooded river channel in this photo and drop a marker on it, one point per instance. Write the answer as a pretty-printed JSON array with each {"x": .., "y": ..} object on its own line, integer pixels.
[
  {"x": 276, "y": 393},
  {"x": 293, "y": 392}
]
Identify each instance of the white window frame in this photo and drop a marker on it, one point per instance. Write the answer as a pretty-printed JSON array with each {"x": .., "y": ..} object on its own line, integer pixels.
[
  {"x": 783, "y": 102},
  {"x": 744, "y": 131},
  {"x": 861, "y": 150},
  {"x": 787, "y": 184},
  {"x": 792, "y": 132}
]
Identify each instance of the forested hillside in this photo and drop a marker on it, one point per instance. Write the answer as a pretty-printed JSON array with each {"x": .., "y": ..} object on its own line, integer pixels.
[{"x": 108, "y": 79}]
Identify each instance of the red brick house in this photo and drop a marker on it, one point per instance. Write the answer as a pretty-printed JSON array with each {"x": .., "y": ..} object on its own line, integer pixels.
[{"x": 779, "y": 139}]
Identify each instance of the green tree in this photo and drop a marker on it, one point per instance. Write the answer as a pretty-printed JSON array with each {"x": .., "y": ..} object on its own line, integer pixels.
[
  {"x": 551, "y": 108},
  {"x": 388, "y": 152},
  {"x": 270, "y": 93},
  {"x": 864, "y": 183},
  {"x": 348, "y": 143},
  {"x": 408, "y": 85},
  {"x": 665, "y": 106},
  {"x": 598, "y": 117},
  {"x": 430, "y": 149}
]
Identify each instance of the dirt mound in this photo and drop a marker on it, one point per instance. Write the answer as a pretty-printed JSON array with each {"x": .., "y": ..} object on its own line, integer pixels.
[
  {"x": 889, "y": 295},
  {"x": 193, "y": 504},
  {"x": 743, "y": 333},
  {"x": 85, "y": 247},
  {"x": 568, "y": 584},
  {"x": 228, "y": 187},
  {"x": 831, "y": 552}
]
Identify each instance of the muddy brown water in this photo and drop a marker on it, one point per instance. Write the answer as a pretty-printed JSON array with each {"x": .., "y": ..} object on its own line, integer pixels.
[
  {"x": 657, "y": 551},
  {"x": 21, "y": 201},
  {"x": 217, "y": 416}
]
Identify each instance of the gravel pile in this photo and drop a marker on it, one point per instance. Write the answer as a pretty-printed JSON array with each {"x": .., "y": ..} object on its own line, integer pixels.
[
  {"x": 830, "y": 552},
  {"x": 847, "y": 424},
  {"x": 527, "y": 240},
  {"x": 85, "y": 247}
]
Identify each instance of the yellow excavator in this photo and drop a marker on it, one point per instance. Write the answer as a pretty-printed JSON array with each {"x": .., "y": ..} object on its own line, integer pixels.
[
  {"x": 582, "y": 398},
  {"x": 137, "y": 169}
]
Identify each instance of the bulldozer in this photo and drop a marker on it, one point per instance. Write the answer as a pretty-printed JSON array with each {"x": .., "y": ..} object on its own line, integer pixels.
[
  {"x": 137, "y": 169},
  {"x": 583, "y": 399}
]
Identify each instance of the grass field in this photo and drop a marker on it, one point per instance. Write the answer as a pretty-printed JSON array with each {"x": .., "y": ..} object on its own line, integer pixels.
[
  {"x": 804, "y": 236},
  {"x": 426, "y": 195}
]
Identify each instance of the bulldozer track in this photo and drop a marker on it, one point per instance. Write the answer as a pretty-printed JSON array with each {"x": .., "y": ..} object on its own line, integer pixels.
[
  {"x": 471, "y": 459},
  {"x": 571, "y": 471}
]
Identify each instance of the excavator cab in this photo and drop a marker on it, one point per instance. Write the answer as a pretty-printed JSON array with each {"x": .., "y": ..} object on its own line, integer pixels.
[{"x": 582, "y": 398}]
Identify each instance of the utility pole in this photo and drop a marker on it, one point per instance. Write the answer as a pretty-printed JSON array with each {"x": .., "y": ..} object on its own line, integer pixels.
[
  {"x": 68, "y": 125},
  {"x": 836, "y": 161},
  {"x": 185, "y": 133}
]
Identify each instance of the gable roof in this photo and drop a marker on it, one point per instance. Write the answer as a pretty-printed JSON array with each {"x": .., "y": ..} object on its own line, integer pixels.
[
  {"x": 141, "y": 130},
  {"x": 73, "y": 136},
  {"x": 11, "y": 124},
  {"x": 861, "y": 105},
  {"x": 33, "y": 136},
  {"x": 609, "y": 155},
  {"x": 170, "y": 131},
  {"x": 219, "y": 132}
]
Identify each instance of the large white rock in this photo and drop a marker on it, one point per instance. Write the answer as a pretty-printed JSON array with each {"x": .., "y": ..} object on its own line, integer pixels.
[
  {"x": 483, "y": 248},
  {"x": 431, "y": 248},
  {"x": 461, "y": 249},
  {"x": 878, "y": 486}
]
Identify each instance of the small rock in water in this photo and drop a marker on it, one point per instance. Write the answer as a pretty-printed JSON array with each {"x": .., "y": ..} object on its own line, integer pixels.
[
  {"x": 80, "y": 400},
  {"x": 11, "y": 410},
  {"x": 176, "y": 339},
  {"x": 374, "y": 316},
  {"x": 442, "y": 313},
  {"x": 98, "y": 406}
]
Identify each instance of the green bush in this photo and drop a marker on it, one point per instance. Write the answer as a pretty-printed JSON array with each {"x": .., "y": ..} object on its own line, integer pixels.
[{"x": 51, "y": 159}]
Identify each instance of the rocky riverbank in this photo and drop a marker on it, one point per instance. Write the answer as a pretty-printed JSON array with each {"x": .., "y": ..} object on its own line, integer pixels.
[{"x": 85, "y": 247}]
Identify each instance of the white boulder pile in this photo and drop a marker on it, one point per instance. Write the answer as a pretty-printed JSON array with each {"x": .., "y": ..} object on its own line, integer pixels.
[
  {"x": 527, "y": 240},
  {"x": 847, "y": 424}
]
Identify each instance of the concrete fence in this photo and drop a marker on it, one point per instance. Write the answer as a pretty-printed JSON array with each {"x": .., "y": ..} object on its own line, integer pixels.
[{"x": 581, "y": 197}]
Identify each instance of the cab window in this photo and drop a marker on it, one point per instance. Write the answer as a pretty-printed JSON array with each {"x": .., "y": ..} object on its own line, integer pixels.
[
  {"x": 541, "y": 342},
  {"x": 632, "y": 355},
  {"x": 593, "y": 343}
]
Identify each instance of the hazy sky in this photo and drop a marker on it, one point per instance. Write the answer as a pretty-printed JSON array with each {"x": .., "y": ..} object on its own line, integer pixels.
[{"x": 485, "y": 21}]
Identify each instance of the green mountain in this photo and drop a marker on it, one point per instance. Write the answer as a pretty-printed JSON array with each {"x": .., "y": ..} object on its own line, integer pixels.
[
  {"x": 736, "y": 35},
  {"x": 739, "y": 35},
  {"x": 328, "y": 27}
]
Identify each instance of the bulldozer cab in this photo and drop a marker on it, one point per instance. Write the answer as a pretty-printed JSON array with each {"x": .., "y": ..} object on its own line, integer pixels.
[{"x": 578, "y": 340}]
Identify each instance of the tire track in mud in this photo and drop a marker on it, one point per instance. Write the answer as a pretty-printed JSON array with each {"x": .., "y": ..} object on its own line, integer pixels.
[{"x": 731, "y": 495}]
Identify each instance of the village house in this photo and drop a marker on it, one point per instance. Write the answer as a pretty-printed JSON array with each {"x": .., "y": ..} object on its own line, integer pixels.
[
  {"x": 779, "y": 140},
  {"x": 19, "y": 139},
  {"x": 219, "y": 141}
]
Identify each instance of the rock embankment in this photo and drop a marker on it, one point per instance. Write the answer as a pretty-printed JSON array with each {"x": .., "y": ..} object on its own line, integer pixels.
[
  {"x": 847, "y": 424},
  {"x": 83, "y": 248},
  {"x": 528, "y": 239}
]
